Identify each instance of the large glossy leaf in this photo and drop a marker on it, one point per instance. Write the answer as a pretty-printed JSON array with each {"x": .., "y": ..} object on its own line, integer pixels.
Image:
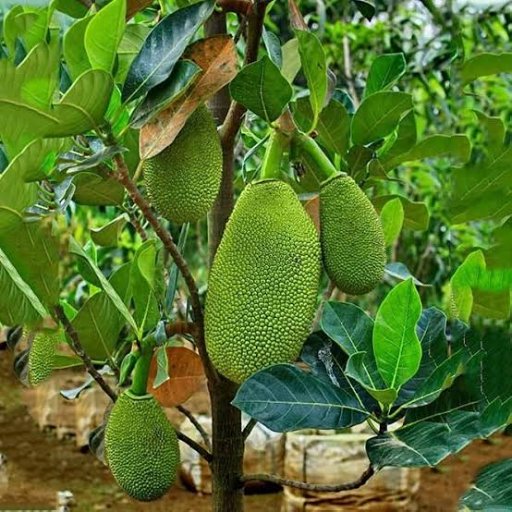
[
  {"x": 262, "y": 89},
  {"x": 143, "y": 277},
  {"x": 76, "y": 249},
  {"x": 74, "y": 48},
  {"x": 456, "y": 146},
  {"x": 485, "y": 64},
  {"x": 396, "y": 345},
  {"x": 416, "y": 214},
  {"x": 314, "y": 65},
  {"x": 378, "y": 115},
  {"x": 384, "y": 72},
  {"x": 104, "y": 33},
  {"x": 134, "y": 36},
  {"x": 492, "y": 489},
  {"x": 285, "y": 398},
  {"x": 30, "y": 25},
  {"x": 163, "y": 47}
]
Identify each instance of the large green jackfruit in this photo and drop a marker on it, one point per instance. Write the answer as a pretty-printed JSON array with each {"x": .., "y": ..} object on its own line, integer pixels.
[
  {"x": 41, "y": 357},
  {"x": 263, "y": 284},
  {"x": 141, "y": 447},
  {"x": 353, "y": 245},
  {"x": 184, "y": 179}
]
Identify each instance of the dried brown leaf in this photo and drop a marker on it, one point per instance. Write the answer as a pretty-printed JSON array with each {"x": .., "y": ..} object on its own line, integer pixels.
[
  {"x": 186, "y": 376},
  {"x": 217, "y": 58}
]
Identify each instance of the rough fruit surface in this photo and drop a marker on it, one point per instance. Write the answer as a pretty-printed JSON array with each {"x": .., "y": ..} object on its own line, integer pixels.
[
  {"x": 263, "y": 284},
  {"x": 141, "y": 447},
  {"x": 184, "y": 179},
  {"x": 42, "y": 356},
  {"x": 353, "y": 245}
]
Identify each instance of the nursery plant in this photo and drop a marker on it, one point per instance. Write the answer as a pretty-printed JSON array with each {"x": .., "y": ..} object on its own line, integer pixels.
[{"x": 166, "y": 117}]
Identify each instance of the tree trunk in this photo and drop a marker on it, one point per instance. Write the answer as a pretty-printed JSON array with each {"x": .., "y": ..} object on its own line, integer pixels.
[{"x": 228, "y": 450}]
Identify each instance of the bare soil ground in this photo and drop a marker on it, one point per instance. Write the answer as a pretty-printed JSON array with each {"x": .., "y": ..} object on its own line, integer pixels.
[{"x": 38, "y": 465}]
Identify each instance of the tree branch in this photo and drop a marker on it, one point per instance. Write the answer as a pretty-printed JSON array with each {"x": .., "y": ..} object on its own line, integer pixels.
[
  {"x": 205, "y": 454},
  {"x": 197, "y": 425},
  {"x": 249, "y": 428},
  {"x": 242, "y": 7},
  {"x": 123, "y": 177},
  {"x": 236, "y": 112},
  {"x": 311, "y": 487},
  {"x": 80, "y": 352},
  {"x": 180, "y": 328}
]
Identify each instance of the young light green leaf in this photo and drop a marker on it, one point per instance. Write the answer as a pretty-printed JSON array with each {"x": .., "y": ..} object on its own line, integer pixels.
[
  {"x": 104, "y": 33},
  {"x": 496, "y": 133},
  {"x": 385, "y": 72},
  {"x": 107, "y": 235},
  {"x": 398, "y": 270},
  {"x": 416, "y": 214},
  {"x": 314, "y": 64},
  {"x": 262, "y": 89},
  {"x": 378, "y": 115},
  {"x": 291, "y": 60},
  {"x": 392, "y": 220},
  {"x": 74, "y": 50},
  {"x": 395, "y": 341},
  {"x": 76, "y": 249},
  {"x": 405, "y": 140},
  {"x": 485, "y": 64}
]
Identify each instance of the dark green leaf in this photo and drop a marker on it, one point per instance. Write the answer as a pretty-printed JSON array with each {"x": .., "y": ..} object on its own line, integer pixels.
[
  {"x": 405, "y": 140},
  {"x": 366, "y": 8},
  {"x": 262, "y": 89},
  {"x": 163, "y": 47},
  {"x": 285, "y": 398},
  {"x": 384, "y": 72},
  {"x": 358, "y": 158},
  {"x": 273, "y": 47}
]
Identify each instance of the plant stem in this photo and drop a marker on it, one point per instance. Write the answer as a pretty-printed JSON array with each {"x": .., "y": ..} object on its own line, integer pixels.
[
  {"x": 197, "y": 425},
  {"x": 314, "y": 158},
  {"x": 205, "y": 454},
  {"x": 80, "y": 352},
  {"x": 141, "y": 372},
  {"x": 271, "y": 167},
  {"x": 311, "y": 487},
  {"x": 249, "y": 428}
]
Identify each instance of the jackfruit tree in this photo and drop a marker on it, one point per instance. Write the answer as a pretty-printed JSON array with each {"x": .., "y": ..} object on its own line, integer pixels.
[{"x": 180, "y": 184}]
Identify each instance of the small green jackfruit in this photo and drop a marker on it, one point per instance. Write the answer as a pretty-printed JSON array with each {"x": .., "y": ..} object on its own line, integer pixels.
[
  {"x": 353, "y": 245},
  {"x": 41, "y": 357},
  {"x": 141, "y": 447},
  {"x": 184, "y": 179},
  {"x": 263, "y": 284}
]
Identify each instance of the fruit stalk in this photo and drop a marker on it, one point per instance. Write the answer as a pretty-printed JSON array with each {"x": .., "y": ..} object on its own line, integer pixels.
[
  {"x": 271, "y": 167},
  {"x": 314, "y": 158}
]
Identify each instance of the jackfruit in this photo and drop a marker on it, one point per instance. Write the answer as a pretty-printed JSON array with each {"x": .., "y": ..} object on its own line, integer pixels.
[
  {"x": 353, "y": 245},
  {"x": 184, "y": 179},
  {"x": 263, "y": 283},
  {"x": 141, "y": 447},
  {"x": 41, "y": 356}
]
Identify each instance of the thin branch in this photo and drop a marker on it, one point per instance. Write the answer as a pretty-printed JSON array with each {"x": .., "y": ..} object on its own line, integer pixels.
[
  {"x": 80, "y": 352},
  {"x": 197, "y": 425},
  {"x": 236, "y": 112},
  {"x": 123, "y": 177},
  {"x": 205, "y": 454},
  {"x": 134, "y": 221},
  {"x": 249, "y": 428},
  {"x": 311, "y": 487}
]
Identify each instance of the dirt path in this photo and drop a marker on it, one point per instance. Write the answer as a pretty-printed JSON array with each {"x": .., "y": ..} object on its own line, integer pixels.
[{"x": 39, "y": 465}]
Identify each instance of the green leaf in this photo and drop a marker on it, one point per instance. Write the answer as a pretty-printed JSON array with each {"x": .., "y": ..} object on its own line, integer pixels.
[
  {"x": 163, "y": 47},
  {"x": 108, "y": 235},
  {"x": 378, "y": 115},
  {"x": 456, "y": 146},
  {"x": 29, "y": 24},
  {"x": 366, "y": 8},
  {"x": 405, "y": 140},
  {"x": 185, "y": 73},
  {"x": 273, "y": 47},
  {"x": 358, "y": 159},
  {"x": 262, "y": 89},
  {"x": 333, "y": 128},
  {"x": 94, "y": 190},
  {"x": 76, "y": 249},
  {"x": 134, "y": 36},
  {"x": 162, "y": 367},
  {"x": 485, "y": 64},
  {"x": 385, "y": 72},
  {"x": 314, "y": 65},
  {"x": 74, "y": 50},
  {"x": 38, "y": 159},
  {"x": 63, "y": 361},
  {"x": 143, "y": 279},
  {"x": 104, "y": 33},
  {"x": 73, "y": 8},
  {"x": 395, "y": 342},
  {"x": 392, "y": 220},
  {"x": 496, "y": 133},
  {"x": 291, "y": 60},
  {"x": 492, "y": 489},
  {"x": 400, "y": 271},
  {"x": 416, "y": 215},
  {"x": 285, "y": 398}
]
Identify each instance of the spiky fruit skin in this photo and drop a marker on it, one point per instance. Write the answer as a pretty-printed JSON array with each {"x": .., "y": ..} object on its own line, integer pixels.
[
  {"x": 353, "y": 245},
  {"x": 263, "y": 284},
  {"x": 42, "y": 356},
  {"x": 141, "y": 447},
  {"x": 184, "y": 179}
]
